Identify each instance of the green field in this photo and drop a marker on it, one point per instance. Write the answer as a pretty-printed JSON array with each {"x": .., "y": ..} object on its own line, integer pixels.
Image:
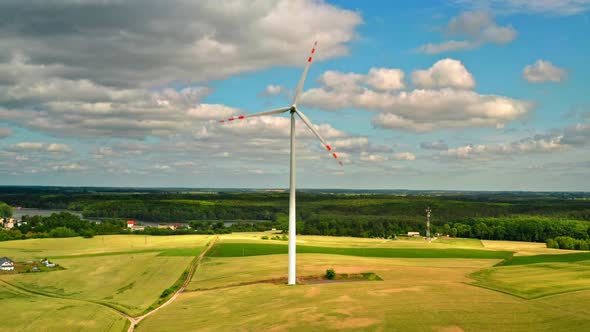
[
  {"x": 130, "y": 283},
  {"x": 416, "y": 295},
  {"x": 562, "y": 258},
  {"x": 538, "y": 276},
  {"x": 99, "y": 245},
  {"x": 27, "y": 312},
  {"x": 256, "y": 249},
  {"x": 445, "y": 285},
  {"x": 129, "y": 274}
]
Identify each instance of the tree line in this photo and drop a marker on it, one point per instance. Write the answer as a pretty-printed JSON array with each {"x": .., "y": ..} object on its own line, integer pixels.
[{"x": 535, "y": 217}]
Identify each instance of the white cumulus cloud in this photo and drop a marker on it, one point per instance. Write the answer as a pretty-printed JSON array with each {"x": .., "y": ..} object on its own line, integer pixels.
[
  {"x": 543, "y": 71},
  {"x": 444, "y": 73},
  {"x": 385, "y": 79},
  {"x": 451, "y": 105}
]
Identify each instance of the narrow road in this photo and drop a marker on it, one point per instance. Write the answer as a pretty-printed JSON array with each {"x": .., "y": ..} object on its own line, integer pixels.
[{"x": 192, "y": 269}]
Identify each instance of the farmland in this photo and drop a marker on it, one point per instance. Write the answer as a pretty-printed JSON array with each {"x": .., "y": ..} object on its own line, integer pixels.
[
  {"x": 28, "y": 312},
  {"x": 417, "y": 293},
  {"x": 445, "y": 285},
  {"x": 127, "y": 273}
]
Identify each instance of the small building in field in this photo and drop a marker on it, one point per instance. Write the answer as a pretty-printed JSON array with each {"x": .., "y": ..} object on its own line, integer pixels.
[
  {"x": 413, "y": 234},
  {"x": 6, "y": 264},
  {"x": 130, "y": 223},
  {"x": 47, "y": 263}
]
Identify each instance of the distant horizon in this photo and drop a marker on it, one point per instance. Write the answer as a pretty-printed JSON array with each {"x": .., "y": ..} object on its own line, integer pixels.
[{"x": 298, "y": 189}]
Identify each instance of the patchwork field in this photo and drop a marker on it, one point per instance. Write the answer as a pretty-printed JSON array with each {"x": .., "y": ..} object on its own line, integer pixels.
[
  {"x": 415, "y": 295},
  {"x": 444, "y": 285},
  {"x": 130, "y": 283},
  {"x": 98, "y": 245},
  {"x": 28, "y": 312},
  {"x": 127, "y": 273}
]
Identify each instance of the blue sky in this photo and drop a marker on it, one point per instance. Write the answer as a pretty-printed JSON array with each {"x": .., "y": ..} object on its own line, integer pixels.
[{"x": 478, "y": 95}]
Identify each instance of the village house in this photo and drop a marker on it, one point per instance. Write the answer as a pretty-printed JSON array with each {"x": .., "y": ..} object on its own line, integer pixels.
[
  {"x": 6, "y": 264},
  {"x": 47, "y": 263},
  {"x": 175, "y": 226},
  {"x": 413, "y": 234},
  {"x": 9, "y": 223},
  {"x": 130, "y": 223}
]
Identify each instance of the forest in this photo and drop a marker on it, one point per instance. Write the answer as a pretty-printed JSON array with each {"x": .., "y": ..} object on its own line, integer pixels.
[{"x": 519, "y": 216}]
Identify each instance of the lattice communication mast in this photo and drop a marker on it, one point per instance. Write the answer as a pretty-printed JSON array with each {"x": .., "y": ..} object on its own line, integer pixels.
[{"x": 428, "y": 223}]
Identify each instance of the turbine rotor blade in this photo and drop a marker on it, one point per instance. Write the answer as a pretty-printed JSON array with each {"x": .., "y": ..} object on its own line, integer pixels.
[
  {"x": 317, "y": 134},
  {"x": 269, "y": 112},
  {"x": 302, "y": 79}
]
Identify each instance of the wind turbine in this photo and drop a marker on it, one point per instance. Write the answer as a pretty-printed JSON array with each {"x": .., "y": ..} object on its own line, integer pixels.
[{"x": 293, "y": 110}]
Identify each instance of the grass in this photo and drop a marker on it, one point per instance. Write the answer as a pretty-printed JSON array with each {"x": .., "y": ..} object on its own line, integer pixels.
[
  {"x": 254, "y": 249},
  {"x": 126, "y": 272},
  {"x": 535, "y": 280},
  {"x": 416, "y": 294},
  {"x": 352, "y": 242},
  {"x": 561, "y": 258},
  {"x": 130, "y": 283},
  {"x": 425, "y": 286},
  {"x": 459, "y": 242},
  {"x": 26, "y": 312},
  {"x": 99, "y": 245}
]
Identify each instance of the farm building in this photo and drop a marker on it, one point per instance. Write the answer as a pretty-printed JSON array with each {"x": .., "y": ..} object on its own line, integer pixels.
[
  {"x": 413, "y": 234},
  {"x": 6, "y": 264},
  {"x": 47, "y": 263},
  {"x": 130, "y": 223}
]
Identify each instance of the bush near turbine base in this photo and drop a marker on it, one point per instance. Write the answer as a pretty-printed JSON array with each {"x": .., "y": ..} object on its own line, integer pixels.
[{"x": 330, "y": 274}]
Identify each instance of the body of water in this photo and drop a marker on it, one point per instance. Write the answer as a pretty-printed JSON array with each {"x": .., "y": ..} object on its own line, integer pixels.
[{"x": 18, "y": 213}]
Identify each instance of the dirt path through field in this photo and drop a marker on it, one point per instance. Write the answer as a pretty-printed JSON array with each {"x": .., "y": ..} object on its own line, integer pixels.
[{"x": 192, "y": 269}]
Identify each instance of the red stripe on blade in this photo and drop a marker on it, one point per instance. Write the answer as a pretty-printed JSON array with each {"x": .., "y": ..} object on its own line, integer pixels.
[
  {"x": 241, "y": 117},
  {"x": 329, "y": 148},
  {"x": 230, "y": 119},
  {"x": 309, "y": 60},
  {"x": 340, "y": 163},
  {"x": 221, "y": 121},
  {"x": 335, "y": 156},
  {"x": 312, "y": 50}
]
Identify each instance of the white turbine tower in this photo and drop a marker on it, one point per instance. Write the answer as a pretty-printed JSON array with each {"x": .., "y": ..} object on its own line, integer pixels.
[{"x": 293, "y": 110}]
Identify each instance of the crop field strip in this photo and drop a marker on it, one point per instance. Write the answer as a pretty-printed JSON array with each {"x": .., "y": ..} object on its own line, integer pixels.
[
  {"x": 537, "y": 276},
  {"x": 255, "y": 249},
  {"x": 535, "y": 259}
]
